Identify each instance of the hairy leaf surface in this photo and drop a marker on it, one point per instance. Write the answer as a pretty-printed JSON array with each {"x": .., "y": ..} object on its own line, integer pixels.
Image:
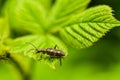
[{"x": 23, "y": 45}]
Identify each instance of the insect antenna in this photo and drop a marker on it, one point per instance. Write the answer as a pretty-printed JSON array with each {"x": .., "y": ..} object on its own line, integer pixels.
[
  {"x": 32, "y": 45},
  {"x": 35, "y": 48}
]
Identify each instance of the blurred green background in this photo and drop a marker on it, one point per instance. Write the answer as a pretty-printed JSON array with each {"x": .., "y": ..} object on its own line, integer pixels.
[{"x": 98, "y": 62}]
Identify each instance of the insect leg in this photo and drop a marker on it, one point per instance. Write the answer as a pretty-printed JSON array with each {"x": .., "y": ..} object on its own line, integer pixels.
[
  {"x": 55, "y": 47},
  {"x": 40, "y": 57},
  {"x": 60, "y": 61},
  {"x": 51, "y": 58}
]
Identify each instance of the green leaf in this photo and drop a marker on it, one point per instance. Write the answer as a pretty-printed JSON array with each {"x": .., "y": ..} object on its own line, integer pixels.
[
  {"x": 27, "y": 15},
  {"x": 68, "y": 7},
  {"x": 37, "y": 16},
  {"x": 89, "y": 26},
  {"x": 23, "y": 45},
  {"x": 4, "y": 34},
  {"x": 4, "y": 29},
  {"x": 47, "y": 4},
  {"x": 63, "y": 10}
]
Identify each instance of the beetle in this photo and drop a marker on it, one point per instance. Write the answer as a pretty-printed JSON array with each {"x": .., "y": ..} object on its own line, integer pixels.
[{"x": 52, "y": 52}]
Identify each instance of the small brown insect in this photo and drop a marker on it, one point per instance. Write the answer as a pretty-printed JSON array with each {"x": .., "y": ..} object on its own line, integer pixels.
[{"x": 53, "y": 52}]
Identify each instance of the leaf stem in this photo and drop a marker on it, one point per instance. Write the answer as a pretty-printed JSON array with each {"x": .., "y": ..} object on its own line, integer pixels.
[{"x": 24, "y": 75}]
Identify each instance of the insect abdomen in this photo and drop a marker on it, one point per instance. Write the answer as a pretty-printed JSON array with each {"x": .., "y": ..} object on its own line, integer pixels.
[{"x": 53, "y": 52}]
